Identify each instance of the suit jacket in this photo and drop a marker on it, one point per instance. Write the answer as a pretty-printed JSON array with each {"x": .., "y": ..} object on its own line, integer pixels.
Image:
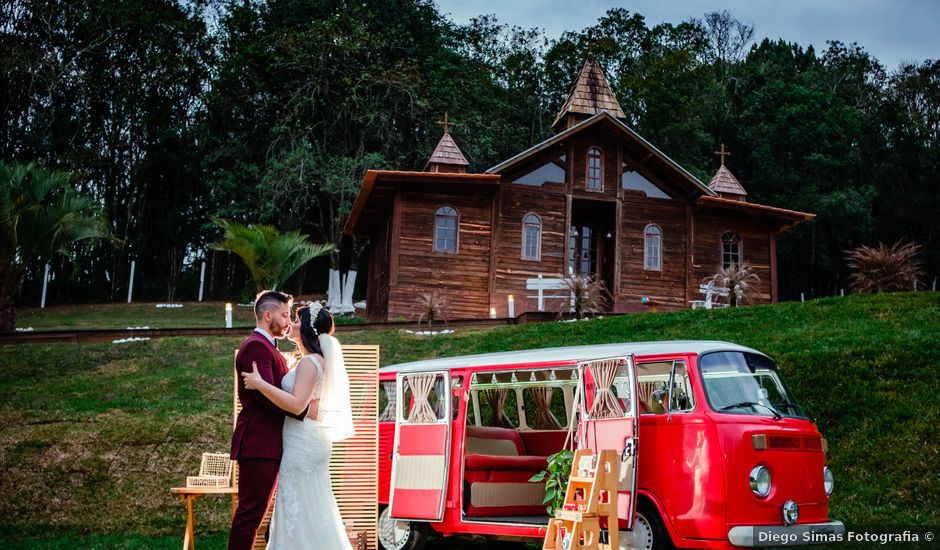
[{"x": 260, "y": 422}]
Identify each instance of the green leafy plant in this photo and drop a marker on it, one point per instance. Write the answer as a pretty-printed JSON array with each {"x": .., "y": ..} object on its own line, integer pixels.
[
  {"x": 555, "y": 477},
  {"x": 270, "y": 256},
  {"x": 41, "y": 215}
]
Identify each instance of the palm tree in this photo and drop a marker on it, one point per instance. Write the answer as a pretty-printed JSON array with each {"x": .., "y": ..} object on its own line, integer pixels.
[
  {"x": 41, "y": 215},
  {"x": 270, "y": 256},
  {"x": 741, "y": 282}
]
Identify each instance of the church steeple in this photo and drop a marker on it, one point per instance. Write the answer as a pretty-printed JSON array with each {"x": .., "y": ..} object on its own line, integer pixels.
[
  {"x": 724, "y": 183},
  {"x": 446, "y": 156},
  {"x": 590, "y": 95}
]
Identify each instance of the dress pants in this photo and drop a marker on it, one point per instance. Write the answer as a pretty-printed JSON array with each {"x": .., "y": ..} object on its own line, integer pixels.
[{"x": 257, "y": 478}]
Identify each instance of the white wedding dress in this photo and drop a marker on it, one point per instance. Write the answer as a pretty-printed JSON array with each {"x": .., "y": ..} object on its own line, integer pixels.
[{"x": 306, "y": 516}]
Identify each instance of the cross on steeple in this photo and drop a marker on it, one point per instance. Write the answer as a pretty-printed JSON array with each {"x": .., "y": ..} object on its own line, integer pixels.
[
  {"x": 722, "y": 153},
  {"x": 445, "y": 123}
]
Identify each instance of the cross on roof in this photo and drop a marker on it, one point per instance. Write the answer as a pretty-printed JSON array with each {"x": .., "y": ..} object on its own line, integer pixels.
[
  {"x": 722, "y": 153},
  {"x": 445, "y": 123}
]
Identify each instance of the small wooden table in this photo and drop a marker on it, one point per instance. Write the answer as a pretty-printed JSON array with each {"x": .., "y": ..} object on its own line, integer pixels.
[{"x": 189, "y": 494}]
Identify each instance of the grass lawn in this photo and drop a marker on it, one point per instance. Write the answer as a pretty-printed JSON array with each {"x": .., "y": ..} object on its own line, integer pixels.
[
  {"x": 93, "y": 435},
  {"x": 122, "y": 316}
]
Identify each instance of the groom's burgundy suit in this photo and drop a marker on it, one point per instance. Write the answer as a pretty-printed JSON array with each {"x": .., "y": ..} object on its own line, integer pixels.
[{"x": 256, "y": 443}]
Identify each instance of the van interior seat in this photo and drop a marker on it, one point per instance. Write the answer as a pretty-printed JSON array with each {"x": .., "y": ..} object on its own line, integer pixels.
[{"x": 497, "y": 468}]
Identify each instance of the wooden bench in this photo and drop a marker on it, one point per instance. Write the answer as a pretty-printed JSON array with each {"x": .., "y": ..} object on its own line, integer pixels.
[
  {"x": 541, "y": 284},
  {"x": 710, "y": 291}
]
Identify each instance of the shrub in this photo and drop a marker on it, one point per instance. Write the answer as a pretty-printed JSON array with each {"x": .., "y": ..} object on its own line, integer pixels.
[
  {"x": 884, "y": 268},
  {"x": 742, "y": 283},
  {"x": 589, "y": 296}
]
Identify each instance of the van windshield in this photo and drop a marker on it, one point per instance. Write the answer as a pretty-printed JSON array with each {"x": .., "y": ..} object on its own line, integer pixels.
[{"x": 746, "y": 383}]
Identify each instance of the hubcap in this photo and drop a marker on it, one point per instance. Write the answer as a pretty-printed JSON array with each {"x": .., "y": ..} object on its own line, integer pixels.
[
  {"x": 393, "y": 534},
  {"x": 642, "y": 536}
]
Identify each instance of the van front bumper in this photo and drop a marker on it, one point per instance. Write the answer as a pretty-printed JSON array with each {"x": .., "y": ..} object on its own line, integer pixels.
[{"x": 787, "y": 535}]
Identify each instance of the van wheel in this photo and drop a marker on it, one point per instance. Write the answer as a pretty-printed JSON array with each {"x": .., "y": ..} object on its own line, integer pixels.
[
  {"x": 648, "y": 531},
  {"x": 401, "y": 534}
]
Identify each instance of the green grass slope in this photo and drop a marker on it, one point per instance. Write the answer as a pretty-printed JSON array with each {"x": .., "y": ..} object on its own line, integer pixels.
[{"x": 92, "y": 436}]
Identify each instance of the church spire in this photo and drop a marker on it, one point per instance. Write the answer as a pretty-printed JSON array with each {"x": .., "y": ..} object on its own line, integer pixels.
[
  {"x": 723, "y": 182},
  {"x": 446, "y": 156},
  {"x": 590, "y": 95}
]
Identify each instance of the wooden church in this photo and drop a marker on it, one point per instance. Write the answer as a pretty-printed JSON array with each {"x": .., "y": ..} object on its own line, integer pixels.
[{"x": 595, "y": 198}]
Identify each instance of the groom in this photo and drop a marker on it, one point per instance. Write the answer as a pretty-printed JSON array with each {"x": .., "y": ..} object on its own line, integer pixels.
[{"x": 256, "y": 443}]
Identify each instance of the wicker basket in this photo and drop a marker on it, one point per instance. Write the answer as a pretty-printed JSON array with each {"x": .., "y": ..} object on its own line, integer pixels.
[{"x": 214, "y": 471}]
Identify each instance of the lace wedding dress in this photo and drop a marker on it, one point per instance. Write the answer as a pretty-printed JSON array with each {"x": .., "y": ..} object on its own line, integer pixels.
[{"x": 305, "y": 512}]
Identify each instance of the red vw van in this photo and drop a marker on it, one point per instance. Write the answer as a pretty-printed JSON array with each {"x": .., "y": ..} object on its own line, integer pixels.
[{"x": 712, "y": 444}]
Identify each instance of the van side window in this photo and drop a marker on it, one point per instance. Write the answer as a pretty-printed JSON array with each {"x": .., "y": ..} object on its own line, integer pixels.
[
  {"x": 498, "y": 408},
  {"x": 653, "y": 379},
  {"x": 421, "y": 399},
  {"x": 545, "y": 408},
  {"x": 387, "y": 401}
]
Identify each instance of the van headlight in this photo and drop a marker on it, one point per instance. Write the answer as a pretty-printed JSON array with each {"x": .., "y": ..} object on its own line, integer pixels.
[
  {"x": 829, "y": 482},
  {"x": 760, "y": 481}
]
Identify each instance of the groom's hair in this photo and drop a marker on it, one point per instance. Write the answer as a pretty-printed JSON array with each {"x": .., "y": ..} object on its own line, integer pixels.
[{"x": 270, "y": 300}]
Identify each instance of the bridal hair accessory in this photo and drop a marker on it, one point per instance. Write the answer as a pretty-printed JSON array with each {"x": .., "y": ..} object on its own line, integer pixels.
[{"x": 314, "y": 309}]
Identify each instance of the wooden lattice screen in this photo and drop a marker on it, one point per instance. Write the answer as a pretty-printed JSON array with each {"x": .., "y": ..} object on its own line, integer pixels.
[{"x": 354, "y": 462}]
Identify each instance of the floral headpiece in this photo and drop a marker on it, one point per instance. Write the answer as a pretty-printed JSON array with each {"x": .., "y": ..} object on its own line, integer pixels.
[{"x": 314, "y": 309}]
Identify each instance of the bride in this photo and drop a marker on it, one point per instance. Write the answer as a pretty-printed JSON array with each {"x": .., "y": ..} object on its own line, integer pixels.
[{"x": 306, "y": 515}]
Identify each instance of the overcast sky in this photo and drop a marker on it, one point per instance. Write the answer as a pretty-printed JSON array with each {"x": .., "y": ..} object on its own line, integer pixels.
[{"x": 892, "y": 31}]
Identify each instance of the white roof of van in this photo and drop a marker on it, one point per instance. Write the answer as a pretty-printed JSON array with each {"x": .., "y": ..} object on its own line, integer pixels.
[{"x": 567, "y": 354}]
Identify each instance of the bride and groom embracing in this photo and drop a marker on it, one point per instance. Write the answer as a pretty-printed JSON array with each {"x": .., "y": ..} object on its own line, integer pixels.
[{"x": 287, "y": 426}]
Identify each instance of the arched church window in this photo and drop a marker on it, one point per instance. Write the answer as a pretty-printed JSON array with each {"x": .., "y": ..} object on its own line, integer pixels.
[
  {"x": 595, "y": 169},
  {"x": 730, "y": 250},
  {"x": 531, "y": 237},
  {"x": 653, "y": 248},
  {"x": 446, "y": 222}
]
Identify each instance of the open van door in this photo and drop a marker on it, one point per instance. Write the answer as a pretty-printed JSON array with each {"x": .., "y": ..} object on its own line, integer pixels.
[
  {"x": 609, "y": 421},
  {"x": 421, "y": 456}
]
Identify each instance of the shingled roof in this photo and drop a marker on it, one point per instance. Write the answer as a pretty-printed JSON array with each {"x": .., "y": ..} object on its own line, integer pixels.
[
  {"x": 590, "y": 94},
  {"x": 447, "y": 153},
  {"x": 724, "y": 183}
]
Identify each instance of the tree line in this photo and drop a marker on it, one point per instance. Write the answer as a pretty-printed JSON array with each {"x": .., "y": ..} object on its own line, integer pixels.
[{"x": 171, "y": 113}]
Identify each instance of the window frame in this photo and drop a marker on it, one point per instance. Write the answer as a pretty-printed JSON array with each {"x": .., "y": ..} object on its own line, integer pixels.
[
  {"x": 739, "y": 253},
  {"x": 434, "y": 239},
  {"x": 587, "y": 169},
  {"x": 646, "y": 255},
  {"x": 538, "y": 244}
]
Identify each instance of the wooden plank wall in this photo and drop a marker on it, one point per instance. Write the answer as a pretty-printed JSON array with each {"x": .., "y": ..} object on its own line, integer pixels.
[
  {"x": 463, "y": 277},
  {"x": 511, "y": 270},
  {"x": 666, "y": 287},
  {"x": 378, "y": 282},
  {"x": 755, "y": 248}
]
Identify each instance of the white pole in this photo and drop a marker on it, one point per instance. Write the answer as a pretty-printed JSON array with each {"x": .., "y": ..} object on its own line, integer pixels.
[
  {"x": 841, "y": 292},
  {"x": 45, "y": 283},
  {"x": 492, "y": 313},
  {"x": 802, "y": 298},
  {"x": 202, "y": 279},
  {"x": 935, "y": 283},
  {"x": 130, "y": 287},
  {"x": 228, "y": 315},
  {"x": 541, "y": 296},
  {"x": 512, "y": 307}
]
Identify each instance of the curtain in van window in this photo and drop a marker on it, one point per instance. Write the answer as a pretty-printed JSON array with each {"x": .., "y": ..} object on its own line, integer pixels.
[
  {"x": 497, "y": 402},
  {"x": 544, "y": 419},
  {"x": 423, "y": 412},
  {"x": 606, "y": 404},
  {"x": 388, "y": 413}
]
